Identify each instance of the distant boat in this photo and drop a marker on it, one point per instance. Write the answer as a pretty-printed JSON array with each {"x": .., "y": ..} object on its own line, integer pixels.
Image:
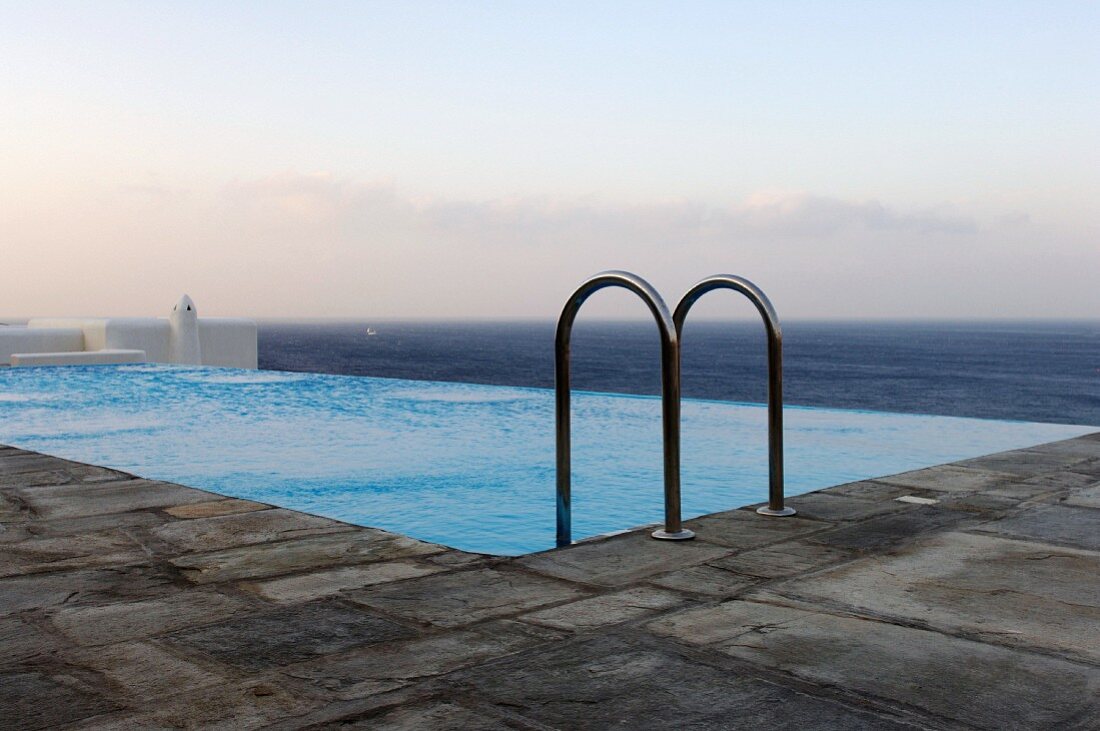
[{"x": 371, "y": 331}]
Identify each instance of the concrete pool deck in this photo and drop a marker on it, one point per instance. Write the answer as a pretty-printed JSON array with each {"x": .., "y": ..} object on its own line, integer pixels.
[{"x": 128, "y": 603}]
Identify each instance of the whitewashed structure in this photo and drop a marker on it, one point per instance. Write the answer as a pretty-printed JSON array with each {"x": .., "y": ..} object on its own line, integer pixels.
[{"x": 182, "y": 338}]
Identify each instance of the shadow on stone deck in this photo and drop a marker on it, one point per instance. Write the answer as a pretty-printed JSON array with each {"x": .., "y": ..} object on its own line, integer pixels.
[{"x": 126, "y": 603}]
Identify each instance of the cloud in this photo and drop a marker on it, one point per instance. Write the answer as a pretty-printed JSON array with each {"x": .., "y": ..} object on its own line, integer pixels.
[
  {"x": 317, "y": 244},
  {"x": 293, "y": 199}
]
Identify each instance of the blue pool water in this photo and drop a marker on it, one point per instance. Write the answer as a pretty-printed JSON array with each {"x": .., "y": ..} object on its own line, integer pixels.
[{"x": 469, "y": 466}]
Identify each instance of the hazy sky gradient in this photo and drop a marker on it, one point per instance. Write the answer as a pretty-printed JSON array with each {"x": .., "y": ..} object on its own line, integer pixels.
[{"x": 417, "y": 159}]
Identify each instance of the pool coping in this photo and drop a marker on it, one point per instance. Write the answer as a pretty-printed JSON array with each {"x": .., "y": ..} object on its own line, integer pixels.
[{"x": 131, "y": 603}]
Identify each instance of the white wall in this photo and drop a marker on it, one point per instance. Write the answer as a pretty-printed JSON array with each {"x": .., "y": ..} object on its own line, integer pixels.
[
  {"x": 226, "y": 342},
  {"x": 86, "y": 357},
  {"x": 26, "y": 340}
]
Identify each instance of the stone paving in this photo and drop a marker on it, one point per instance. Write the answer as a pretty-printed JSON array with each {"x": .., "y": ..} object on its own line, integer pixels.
[{"x": 132, "y": 604}]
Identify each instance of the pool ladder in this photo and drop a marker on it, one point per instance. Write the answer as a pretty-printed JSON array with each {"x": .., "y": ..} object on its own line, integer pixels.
[{"x": 670, "y": 328}]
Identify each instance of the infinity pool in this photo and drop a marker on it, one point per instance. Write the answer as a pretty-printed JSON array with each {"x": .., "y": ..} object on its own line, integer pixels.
[{"x": 465, "y": 465}]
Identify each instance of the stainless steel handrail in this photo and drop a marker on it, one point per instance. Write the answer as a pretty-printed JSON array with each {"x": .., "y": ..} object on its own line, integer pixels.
[
  {"x": 670, "y": 401},
  {"x": 775, "y": 374}
]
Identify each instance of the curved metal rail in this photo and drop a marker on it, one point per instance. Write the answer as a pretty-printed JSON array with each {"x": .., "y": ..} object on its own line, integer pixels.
[
  {"x": 670, "y": 401},
  {"x": 775, "y": 374}
]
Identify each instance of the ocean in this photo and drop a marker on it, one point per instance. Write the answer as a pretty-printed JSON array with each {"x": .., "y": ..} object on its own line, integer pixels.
[{"x": 1028, "y": 371}]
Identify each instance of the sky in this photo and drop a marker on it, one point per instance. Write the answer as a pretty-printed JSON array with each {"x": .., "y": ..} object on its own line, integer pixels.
[{"x": 480, "y": 159}]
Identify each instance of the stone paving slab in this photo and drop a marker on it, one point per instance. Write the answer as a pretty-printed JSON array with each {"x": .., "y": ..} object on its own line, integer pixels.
[
  {"x": 25, "y": 526},
  {"x": 1026, "y": 462},
  {"x": 100, "y": 586},
  {"x": 620, "y": 560},
  {"x": 1044, "y": 485},
  {"x": 219, "y": 532},
  {"x": 607, "y": 609},
  {"x": 320, "y": 584},
  {"x": 1089, "y": 497},
  {"x": 1003, "y": 688},
  {"x": 248, "y": 704},
  {"x": 1084, "y": 446},
  {"x": 123, "y": 621},
  {"x": 742, "y": 529},
  {"x": 35, "y": 555},
  {"x": 144, "y": 670},
  {"x": 289, "y": 634},
  {"x": 630, "y": 682},
  {"x": 950, "y": 478},
  {"x": 458, "y": 598},
  {"x": 1002, "y": 591},
  {"x": 284, "y": 557},
  {"x": 385, "y": 666},
  {"x": 133, "y": 604},
  {"x": 709, "y": 580},
  {"x": 841, "y": 508},
  {"x": 888, "y": 531},
  {"x": 436, "y": 715},
  {"x": 214, "y": 508},
  {"x": 70, "y": 501},
  {"x": 22, "y": 640},
  {"x": 37, "y": 697},
  {"x": 784, "y": 559},
  {"x": 1058, "y": 524}
]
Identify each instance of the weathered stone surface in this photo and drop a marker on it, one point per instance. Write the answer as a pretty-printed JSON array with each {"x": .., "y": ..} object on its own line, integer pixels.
[
  {"x": 102, "y": 585},
  {"x": 270, "y": 559},
  {"x": 631, "y": 683},
  {"x": 318, "y": 584},
  {"x": 455, "y": 558},
  {"x": 783, "y": 559},
  {"x": 33, "y": 528},
  {"x": 704, "y": 579},
  {"x": 873, "y": 490},
  {"x": 461, "y": 597},
  {"x": 1085, "y": 447},
  {"x": 289, "y": 635},
  {"x": 1091, "y": 467},
  {"x": 1046, "y": 484},
  {"x": 1088, "y": 498},
  {"x": 1004, "y": 688},
  {"x": 20, "y": 640},
  {"x": 223, "y": 707},
  {"x": 1054, "y": 523},
  {"x": 831, "y": 507},
  {"x": 66, "y": 473},
  {"x": 121, "y": 621},
  {"x": 227, "y": 506},
  {"x": 70, "y": 552},
  {"x": 1004, "y": 591},
  {"x": 383, "y": 667},
  {"x": 607, "y": 609},
  {"x": 144, "y": 670},
  {"x": 745, "y": 529},
  {"x": 893, "y": 530},
  {"x": 33, "y": 697},
  {"x": 860, "y": 620},
  {"x": 70, "y": 501},
  {"x": 981, "y": 504},
  {"x": 951, "y": 478},
  {"x": 1024, "y": 462},
  {"x": 242, "y": 529},
  {"x": 21, "y": 463},
  {"x": 11, "y": 510},
  {"x": 33, "y": 479},
  {"x": 435, "y": 715},
  {"x": 621, "y": 560}
]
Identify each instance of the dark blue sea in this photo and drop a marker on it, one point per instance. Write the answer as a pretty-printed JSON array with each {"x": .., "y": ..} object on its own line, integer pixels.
[{"x": 1034, "y": 371}]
